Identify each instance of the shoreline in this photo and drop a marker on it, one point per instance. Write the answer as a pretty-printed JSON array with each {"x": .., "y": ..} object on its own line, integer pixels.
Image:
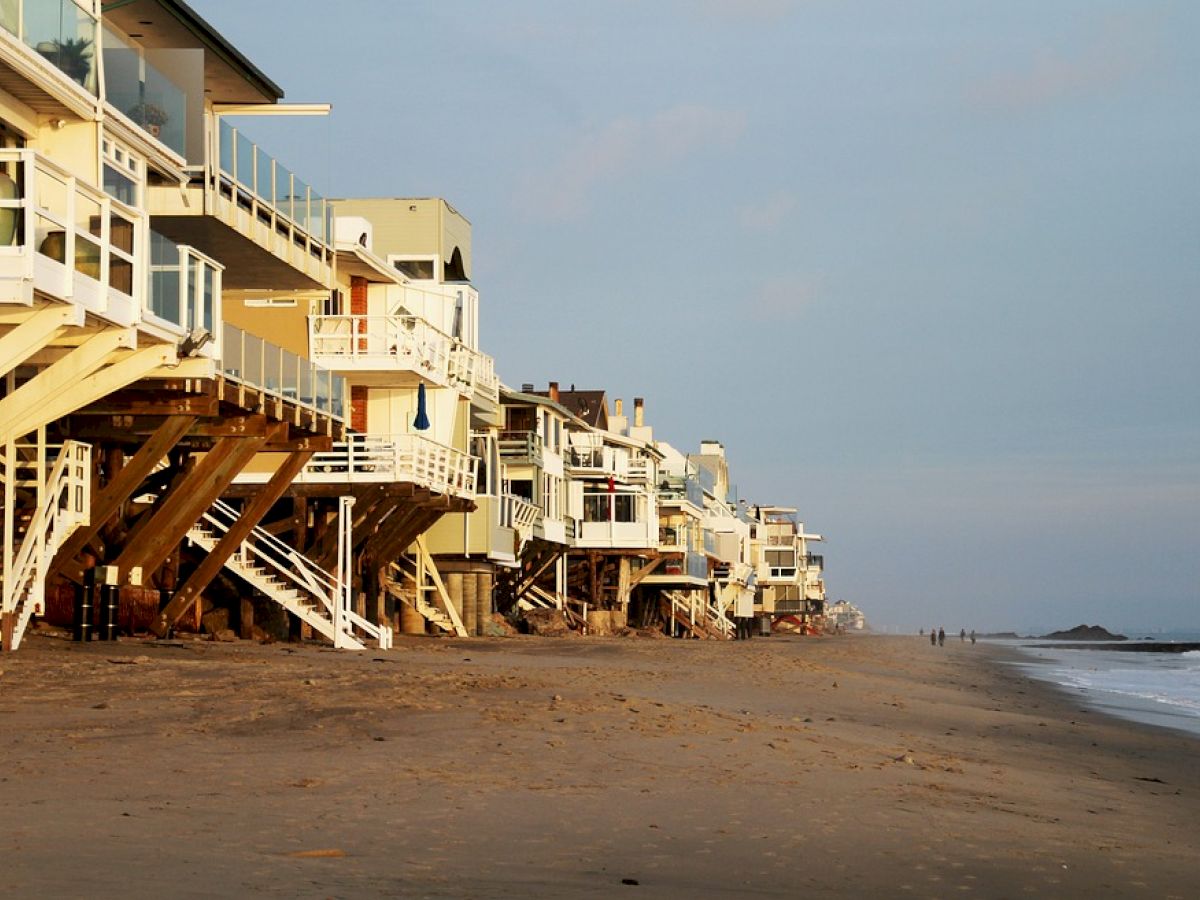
[{"x": 524, "y": 766}]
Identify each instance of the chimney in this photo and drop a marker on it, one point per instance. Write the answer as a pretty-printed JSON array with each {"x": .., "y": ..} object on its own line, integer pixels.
[
  {"x": 619, "y": 406},
  {"x": 639, "y": 407},
  {"x": 526, "y": 388},
  {"x": 554, "y": 391}
]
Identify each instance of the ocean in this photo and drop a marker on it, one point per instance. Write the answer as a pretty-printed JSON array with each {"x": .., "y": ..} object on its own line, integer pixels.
[{"x": 1144, "y": 686}]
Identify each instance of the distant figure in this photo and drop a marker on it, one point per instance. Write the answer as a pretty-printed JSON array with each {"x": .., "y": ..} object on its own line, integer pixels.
[
  {"x": 922, "y": 632},
  {"x": 941, "y": 637},
  {"x": 972, "y": 635},
  {"x": 932, "y": 637},
  {"x": 962, "y": 635}
]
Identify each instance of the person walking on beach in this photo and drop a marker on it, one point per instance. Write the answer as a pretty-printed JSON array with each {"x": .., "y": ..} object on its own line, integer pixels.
[
  {"x": 932, "y": 637},
  {"x": 962, "y": 635},
  {"x": 972, "y": 635},
  {"x": 941, "y": 637}
]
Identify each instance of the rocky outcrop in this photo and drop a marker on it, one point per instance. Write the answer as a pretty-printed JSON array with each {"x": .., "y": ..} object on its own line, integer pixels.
[{"x": 1084, "y": 633}]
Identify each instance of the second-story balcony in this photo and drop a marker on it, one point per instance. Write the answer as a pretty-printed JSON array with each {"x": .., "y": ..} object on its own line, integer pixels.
[
  {"x": 69, "y": 240},
  {"x": 391, "y": 459},
  {"x": 520, "y": 448},
  {"x": 50, "y": 60},
  {"x": 381, "y": 348},
  {"x": 185, "y": 293},
  {"x": 518, "y": 513},
  {"x": 279, "y": 377},
  {"x": 270, "y": 228}
]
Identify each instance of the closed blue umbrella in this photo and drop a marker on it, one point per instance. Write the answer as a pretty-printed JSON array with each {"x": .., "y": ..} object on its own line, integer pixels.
[{"x": 421, "y": 421}]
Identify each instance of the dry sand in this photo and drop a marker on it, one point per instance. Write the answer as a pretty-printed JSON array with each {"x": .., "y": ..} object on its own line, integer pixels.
[{"x": 522, "y": 767}]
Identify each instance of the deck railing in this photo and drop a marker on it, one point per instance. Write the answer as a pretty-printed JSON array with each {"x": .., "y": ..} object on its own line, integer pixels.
[
  {"x": 391, "y": 343},
  {"x": 404, "y": 458},
  {"x": 185, "y": 287},
  {"x": 520, "y": 446},
  {"x": 70, "y": 239},
  {"x": 517, "y": 512},
  {"x": 269, "y": 368},
  {"x": 473, "y": 370}
]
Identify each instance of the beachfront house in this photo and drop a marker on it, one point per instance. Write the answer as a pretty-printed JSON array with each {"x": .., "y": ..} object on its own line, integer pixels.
[{"x": 134, "y": 382}]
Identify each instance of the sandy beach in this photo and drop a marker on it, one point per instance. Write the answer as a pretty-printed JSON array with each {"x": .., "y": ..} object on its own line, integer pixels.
[{"x": 523, "y": 767}]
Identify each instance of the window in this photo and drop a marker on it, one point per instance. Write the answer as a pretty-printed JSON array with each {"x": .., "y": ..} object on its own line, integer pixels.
[
  {"x": 420, "y": 268},
  {"x": 124, "y": 173}
]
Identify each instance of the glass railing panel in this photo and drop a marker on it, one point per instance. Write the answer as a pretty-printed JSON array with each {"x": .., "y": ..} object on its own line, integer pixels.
[
  {"x": 253, "y": 360},
  {"x": 165, "y": 279},
  {"x": 232, "y": 351},
  {"x": 300, "y": 208},
  {"x": 65, "y": 35},
  {"x": 283, "y": 191},
  {"x": 207, "y": 296},
  {"x": 142, "y": 92},
  {"x": 225, "y": 148},
  {"x": 322, "y": 384},
  {"x": 263, "y": 180},
  {"x": 341, "y": 392},
  {"x": 88, "y": 226},
  {"x": 245, "y": 162},
  {"x": 304, "y": 390},
  {"x": 272, "y": 362}
]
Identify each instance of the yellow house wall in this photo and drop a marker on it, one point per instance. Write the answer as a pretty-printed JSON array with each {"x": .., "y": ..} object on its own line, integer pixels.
[
  {"x": 284, "y": 326},
  {"x": 75, "y": 147},
  {"x": 413, "y": 226}
]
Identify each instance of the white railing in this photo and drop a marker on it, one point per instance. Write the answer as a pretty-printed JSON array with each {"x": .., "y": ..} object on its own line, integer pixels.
[
  {"x": 185, "y": 289},
  {"x": 517, "y": 512},
  {"x": 391, "y": 343},
  {"x": 70, "y": 239},
  {"x": 273, "y": 370},
  {"x": 404, "y": 458},
  {"x": 473, "y": 370},
  {"x": 64, "y": 504},
  {"x": 331, "y": 591}
]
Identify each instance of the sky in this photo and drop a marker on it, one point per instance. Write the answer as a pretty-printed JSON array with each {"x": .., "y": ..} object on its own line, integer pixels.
[{"x": 930, "y": 271}]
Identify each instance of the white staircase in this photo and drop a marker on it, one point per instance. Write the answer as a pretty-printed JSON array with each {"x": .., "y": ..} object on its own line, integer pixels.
[
  {"x": 63, "y": 504},
  {"x": 292, "y": 580},
  {"x": 537, "y": 597}
]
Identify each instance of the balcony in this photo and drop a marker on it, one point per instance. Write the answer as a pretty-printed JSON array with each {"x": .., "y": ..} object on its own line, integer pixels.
[
  {"x": 185, "y": 290},
  {"x": 145, "y": 95},
  {"x": 269, "y": 227},
  {"x": 597, "y": 460},
  {"x": 47, "y": 36},
  {"x": 68, "y": 239},
  {"x": 474, "y": 372},
  {"x": 385, "y": 345},
  {"x": 675, "y": 490},
  {"x": 520, "y": 447},
  {"x": 518, "y": 513},
  {"x": 394, "y": 459},
  {"x": 281, "y": 375}
]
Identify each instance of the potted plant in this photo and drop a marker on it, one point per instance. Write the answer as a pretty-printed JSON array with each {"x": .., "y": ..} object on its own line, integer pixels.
[
  {"x": 150, "y": 116},
  {"x": 73, "y": 56}
]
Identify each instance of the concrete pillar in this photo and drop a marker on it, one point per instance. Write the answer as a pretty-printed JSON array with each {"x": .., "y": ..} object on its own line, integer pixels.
[
  {"x": 470, "y": 604},
  {"x": 486, "y": 582},
  {"x": 411, "y": 621}
]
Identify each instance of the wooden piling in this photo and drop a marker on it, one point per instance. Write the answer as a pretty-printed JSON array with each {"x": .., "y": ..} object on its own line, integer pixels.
[
  {"x": 454, "y": 588},
  {"x": 485, "y": 582},
  {"x": 411, "y": 621},
  {"x": 470, "y": 603}
]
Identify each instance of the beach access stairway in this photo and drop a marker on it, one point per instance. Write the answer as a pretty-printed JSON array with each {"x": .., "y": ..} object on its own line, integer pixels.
[
  {"x": 34, "y": 533},
  {"x": 416, "y": 582},
  {"x": 701, "y": 618},
  {"x": 281, "y": 573}
]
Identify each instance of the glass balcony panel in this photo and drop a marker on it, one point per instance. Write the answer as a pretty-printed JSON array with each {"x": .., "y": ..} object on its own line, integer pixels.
[
  {"x": 142, "y": 92},
  {"x": 245, "y": 162},
  {"x": 232, "y": 352},
  {"x": 283, "y": 191},
  {"x": 65, "y": 35},
  {"x": 322, "y": 385},
  {"x": 304, "y": 392},
  {"x": 272, "y": 362},
  {"x": 207, "y": 297},
  {"x": 263, "y": 180},
  {"x": 300, "y": 204},
  {"x": 225, "y": 140}
]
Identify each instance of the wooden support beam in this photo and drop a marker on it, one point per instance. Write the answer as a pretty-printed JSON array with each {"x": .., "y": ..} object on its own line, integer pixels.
[
  {"x": 121, "y": 486},
  {"x": 644, "y": 571},
  {"x": 163, "y": 405},
  {"x": 185, "y": 502},
  {"x": 214, "y": 561},
  {"x": 36, "y": 332},
  {"x": 19, "y": 410}
]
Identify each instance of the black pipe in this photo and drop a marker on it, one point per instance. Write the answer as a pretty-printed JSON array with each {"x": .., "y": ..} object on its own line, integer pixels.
[
  {"x": 110, "y": 604},
  {"x": 84, "y": 599}
]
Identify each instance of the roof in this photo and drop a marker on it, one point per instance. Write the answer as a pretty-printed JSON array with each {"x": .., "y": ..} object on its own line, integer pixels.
[
  {"x": 589, "y": 406},
  {"x": 205, "y": 33}
]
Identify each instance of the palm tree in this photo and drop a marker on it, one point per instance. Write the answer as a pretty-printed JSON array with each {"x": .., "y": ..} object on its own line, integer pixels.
[{"x": 73, "y": 56}]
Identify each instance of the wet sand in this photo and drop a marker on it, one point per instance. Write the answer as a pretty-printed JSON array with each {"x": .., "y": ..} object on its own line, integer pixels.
[{"x": 525, "y": 767}]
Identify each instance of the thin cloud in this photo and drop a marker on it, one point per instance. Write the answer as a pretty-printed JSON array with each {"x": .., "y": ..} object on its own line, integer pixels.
[
  {"x": 627, "y": 147},
  {"x": 768, "y": 214},
  {"x": 783, "y": 298},
  {"x": 1120, "y": 51}
]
